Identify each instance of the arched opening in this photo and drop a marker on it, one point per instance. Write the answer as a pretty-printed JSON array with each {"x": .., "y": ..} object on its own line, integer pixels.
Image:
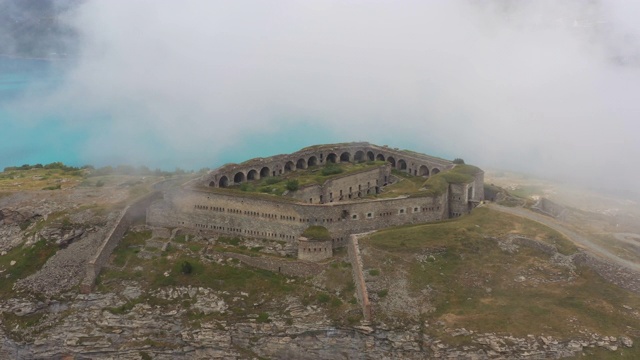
[
  {"x": 252, "y": 175},
  {"x": 224, "y": 182},
  {"x": 402, "y": 165},
  {"x": 239, "y": 177},
  {"x": 380, "y": 157},
  {"x": 359, "y": 156},
  {"x": 301, "y": 164},
  {"x": 313, "y": 161},
  {"x": 392, "y": 161},
  {"x": 332, "y": 158},
  {"x": 435, "y": 171},
  {"x": 212, "y": 184},
  {"x": 289, "y": 166},
  {"x": 345, "y": 157},
  {"x": 371, "y": 156},
  {"x": 264, "y": 172}
]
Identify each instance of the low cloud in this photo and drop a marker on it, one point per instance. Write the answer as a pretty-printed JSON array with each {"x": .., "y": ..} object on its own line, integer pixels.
[{"x": 544, "y": 87}]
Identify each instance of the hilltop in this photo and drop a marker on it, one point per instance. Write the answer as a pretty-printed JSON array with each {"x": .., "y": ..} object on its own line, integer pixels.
[{"x": 489, "y": 284}]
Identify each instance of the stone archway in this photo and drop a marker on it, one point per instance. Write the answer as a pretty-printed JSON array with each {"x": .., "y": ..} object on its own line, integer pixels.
[
  {"x": 345, "y": 157},
  {"x": 359, "y": 156},
  {"x": 301, "y": 164},
  {"x": 435, "y": 171},
  {"x": 252, "y": 175},
  {"x": 238, "y": 177},
  {"x": 424, "y": 171},
  {"x": 332, "y": 158},
  {"x": 289, "y": 166},
  {"x": 264, "y": 172},
  {"x": 402, "y": 165},
  {"x": 224, "y": 182},
  {"x": 371, "y": 156},
  {"x": 380, "y": 157},
  {"x": 313, "y": 161},
  {"x": 392, "y": 161}
]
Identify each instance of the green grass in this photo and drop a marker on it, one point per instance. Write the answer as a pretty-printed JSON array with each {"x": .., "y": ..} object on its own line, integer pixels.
[
  {"x": 472, "y": 282},
  {"x": 480, "y": 223},
  {"x": 28, "y": 261},
  {"x": 317, "y": 233},
  {"x": 129, "y": 246}
]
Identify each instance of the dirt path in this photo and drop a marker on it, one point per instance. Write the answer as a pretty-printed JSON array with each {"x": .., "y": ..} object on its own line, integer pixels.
[{"x": 571, "y": 235}]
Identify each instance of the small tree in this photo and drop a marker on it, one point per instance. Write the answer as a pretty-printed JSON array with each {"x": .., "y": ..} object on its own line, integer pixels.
[
  {"x": 186, "y": 267},
  {"x": 458, "y": 161},
  {"x": 292, "y": 185}
]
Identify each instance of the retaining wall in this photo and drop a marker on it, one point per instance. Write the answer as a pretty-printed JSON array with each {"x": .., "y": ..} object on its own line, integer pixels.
[
  {"x": 358, "y": 277},
  {"x": 286, "y": 267},
  {"x": 128, "y": 215}
]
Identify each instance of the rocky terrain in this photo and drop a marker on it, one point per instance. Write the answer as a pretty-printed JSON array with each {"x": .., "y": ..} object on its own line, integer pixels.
[{"x": 487, "y": 286}]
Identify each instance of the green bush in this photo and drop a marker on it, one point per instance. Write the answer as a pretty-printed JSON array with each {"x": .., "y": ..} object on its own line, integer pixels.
[
  {"x": 323, "y": 298},
  {"x": 382, "y": 293},
  {"x": 186, "y": 267},
  {"x": 331, "y": 169},
  {"x": 99, "y": 183},
  {"x": 263, "y": 318},
  {"x": 374, "y": 272},
  {"x": 292, "y": 185},
  {"x": 458, "y": 161}
]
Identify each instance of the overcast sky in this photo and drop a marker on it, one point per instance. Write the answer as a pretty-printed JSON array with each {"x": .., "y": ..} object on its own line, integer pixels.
[{"x": 546, "y": 87}]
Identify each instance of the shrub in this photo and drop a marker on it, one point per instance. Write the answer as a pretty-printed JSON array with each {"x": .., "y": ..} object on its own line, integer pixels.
[
  {"x": 382, "y": 293},
  {"x": 374, "y": 272},
  {"x": 99, "y": 183},
  {"x": 323, "y": 298},
  {"x": 186, "y": 267},
  {"x": 331, "y": 169},
  {"x": 292, "y": 185},
  {"x": 458, "y": 161},
  {"x": 263, "y": 318}
]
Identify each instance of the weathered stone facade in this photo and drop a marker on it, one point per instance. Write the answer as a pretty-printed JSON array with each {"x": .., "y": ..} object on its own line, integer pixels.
[
  {"x": 314, "y": 250},
  {"x": 403, "y": 160},
  {"x": 203, "y": 209}
]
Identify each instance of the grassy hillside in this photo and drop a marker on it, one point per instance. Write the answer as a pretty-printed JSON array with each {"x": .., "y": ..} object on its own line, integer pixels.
[{"x": 466, "y": 273}]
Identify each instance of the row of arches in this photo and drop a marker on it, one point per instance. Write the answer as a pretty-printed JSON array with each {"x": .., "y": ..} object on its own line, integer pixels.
[{"x": 304, "y": 163}]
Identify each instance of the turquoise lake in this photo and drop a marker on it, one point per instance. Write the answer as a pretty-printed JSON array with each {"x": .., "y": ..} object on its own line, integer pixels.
[{"x": 26, "y": 138}]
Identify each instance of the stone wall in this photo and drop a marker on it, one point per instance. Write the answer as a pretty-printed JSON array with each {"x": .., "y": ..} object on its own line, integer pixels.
[
  {"x": 314, "y": 250},
  {"x": 353, "y": 250},
  {"x": 548, "y": 207},
  {"x": 286, "y": 267},
  {"x": 347, "y": 187},
  {"x": 131, "y": 213},
  {"x": 403, "y": 160},
  {"x": 240, "y": 215}
]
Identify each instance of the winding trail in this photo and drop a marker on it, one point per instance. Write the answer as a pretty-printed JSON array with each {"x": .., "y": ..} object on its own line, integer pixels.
[{"x": 570, "y": 234}]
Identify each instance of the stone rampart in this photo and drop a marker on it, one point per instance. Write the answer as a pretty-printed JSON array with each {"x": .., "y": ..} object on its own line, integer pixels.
[
  {"x": 353, "y": 250},
  {"x": 236, "y": 215},
  {"x": 549, "y": 208},
  {"x": 136, "y": 210},
  {"x": 403, "y": 160},
  {"x": 286, "y": 267}
]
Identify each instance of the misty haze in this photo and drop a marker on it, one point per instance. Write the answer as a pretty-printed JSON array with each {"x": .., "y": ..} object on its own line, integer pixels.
[{"x": 319, "y": 179}]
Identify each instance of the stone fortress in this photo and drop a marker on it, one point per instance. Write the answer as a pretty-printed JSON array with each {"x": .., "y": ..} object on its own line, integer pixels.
[{"x": 344, "y": 204}]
